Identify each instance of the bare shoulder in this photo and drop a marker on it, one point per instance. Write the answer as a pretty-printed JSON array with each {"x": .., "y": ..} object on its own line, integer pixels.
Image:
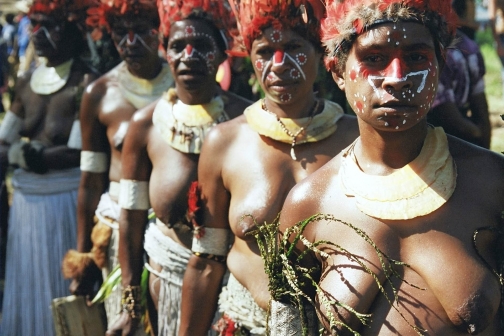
[
  {"x": 139, "y": 128},
  {"x": 480, "y": 159},
  {"x": 479, "y": 171},
  {"x": 312, "y": 195},
  {"x": 221, "y": 136},
  {"x": 97, "y": 89},
  {"x": 235, "y": 104}
]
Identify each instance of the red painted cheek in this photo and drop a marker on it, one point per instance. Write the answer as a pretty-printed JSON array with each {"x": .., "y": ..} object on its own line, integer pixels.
[
  {"x": 278, "y": 57},
  {"x": 259, "y": 65},
  {"x": 353, "y": 75},
  {"x": 359, "y": 105}
]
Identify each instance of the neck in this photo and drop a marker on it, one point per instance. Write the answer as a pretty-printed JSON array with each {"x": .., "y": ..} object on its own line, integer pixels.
[
  {"x": 147, "y": 70},
  {"x": 293, "y": 110},
  {"x": 197, "y": 97},
  {"x": 380, "y": 153}
]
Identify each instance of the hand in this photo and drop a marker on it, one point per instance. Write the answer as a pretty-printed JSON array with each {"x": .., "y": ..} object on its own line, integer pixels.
[
  {"x": 88, "y": 283},
  {"x": 123, "y": 326}
]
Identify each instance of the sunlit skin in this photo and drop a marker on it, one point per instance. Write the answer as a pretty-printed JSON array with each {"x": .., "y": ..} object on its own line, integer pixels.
[
  {"x": 137, "y": 43},
  {"x": 242, "y": 173},
  {"x": 148, "y": 157},
  {"x": 458, "y": 293},
  {"x": 286, "y": 65},
  {"x": 105, "y": 114},
  {"x": 397, "y": 79},
  {"x": 194, "y": 58}
]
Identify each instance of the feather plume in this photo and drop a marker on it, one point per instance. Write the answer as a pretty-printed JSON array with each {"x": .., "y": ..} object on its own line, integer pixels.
[
  {"x": 218, "y": 12},
  {"x": 69, "y": 10},
  {"x": 256, "y": 15},
  {"x": 347, "y": 18}
]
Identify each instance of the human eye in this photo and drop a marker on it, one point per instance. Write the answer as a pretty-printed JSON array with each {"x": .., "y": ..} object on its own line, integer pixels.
[
  {"x": 264, "y": 51},
  {"x": 417, "y": 57},
  {"x": 176, "y": 46},
  {"x": 373, "y": 59}
]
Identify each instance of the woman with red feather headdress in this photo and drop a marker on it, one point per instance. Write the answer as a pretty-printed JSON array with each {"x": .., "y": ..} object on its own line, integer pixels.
[
  {"x": 42, "y": 134},
  {"x": 107, "y": 107},
  {"x": 248, "y": 165},
  {"x": 160, "y": 159},
  {"x": 404, "y": 227}
]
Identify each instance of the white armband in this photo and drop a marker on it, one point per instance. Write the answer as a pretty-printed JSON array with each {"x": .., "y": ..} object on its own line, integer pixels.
[
  {"x": 11, "y": 125},
  {"x": 213, "y": 241},
  {"x": 93, "y": 162},
  {"x": 75, "y": 138},
  {"x": 134, "y": 195}
]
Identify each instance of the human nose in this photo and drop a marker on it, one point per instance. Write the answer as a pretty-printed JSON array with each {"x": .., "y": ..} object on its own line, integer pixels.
[
  {"x": 279, "y": 63},
  {"x": 395, "y": 76}
]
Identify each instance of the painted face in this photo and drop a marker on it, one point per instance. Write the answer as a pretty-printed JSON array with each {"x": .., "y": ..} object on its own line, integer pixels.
[
  {"x": 136, "y": 41},
  {"x": 193, "y": 53},
  {"x": 285, "y": 63},
  {"x": 46, "y": 34},
  {"x": 391, "y": 75}
]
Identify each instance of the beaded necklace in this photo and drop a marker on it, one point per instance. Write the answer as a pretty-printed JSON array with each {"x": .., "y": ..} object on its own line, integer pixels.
[{"x": 287, "y": 131}]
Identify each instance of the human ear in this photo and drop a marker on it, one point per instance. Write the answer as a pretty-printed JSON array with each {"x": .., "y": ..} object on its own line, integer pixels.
[{"x": 338, "y": 78}]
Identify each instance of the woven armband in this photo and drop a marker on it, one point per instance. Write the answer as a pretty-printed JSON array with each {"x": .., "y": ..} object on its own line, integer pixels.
[
  {"x": 131, "y": 301},
  {"x": 9, "y": 130},
  {"x": 75, "y": 138},
  {"x": 94, "y": 162},
  {"x": 214, "y": 244},
  {"x": 134, "y": 195}
]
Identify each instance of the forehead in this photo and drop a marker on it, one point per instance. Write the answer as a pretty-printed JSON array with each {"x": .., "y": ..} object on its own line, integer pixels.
[
  {"x": 178, "y": 28},
  {"x": 271, "y": 35},
  {"x": 396, "y": 35}
]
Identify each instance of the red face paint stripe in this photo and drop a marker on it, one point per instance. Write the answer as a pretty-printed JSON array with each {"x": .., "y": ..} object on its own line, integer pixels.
[{"x": 278, "y": 57}]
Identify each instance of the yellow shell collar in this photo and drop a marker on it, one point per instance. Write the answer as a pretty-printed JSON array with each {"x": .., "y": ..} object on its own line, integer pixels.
[
  {"x": 47, "y": 80},
  {"x": 139, "y": 91},
  {"x": 417, "y": 189},
  {"x": 183, "y": 126},
  {"x": 321, "y": 126}
]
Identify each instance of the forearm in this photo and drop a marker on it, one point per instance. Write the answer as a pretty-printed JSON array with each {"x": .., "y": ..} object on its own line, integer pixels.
[
  {"x": 91, "y": 188},
  {"x": 61, "y": 157},
  {"x": 200, "y": 290},
  {"x": 132, "y": 225}
]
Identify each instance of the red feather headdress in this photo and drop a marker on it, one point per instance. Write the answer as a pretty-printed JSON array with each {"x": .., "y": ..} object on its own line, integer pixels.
[
  {"x": 99, "y": 15},
  {"x": 348, "y": 18},
  {"x": 218, "y": 12},
  {"x": 256, "y": 15},
  {"x": 70, "y": 10}
]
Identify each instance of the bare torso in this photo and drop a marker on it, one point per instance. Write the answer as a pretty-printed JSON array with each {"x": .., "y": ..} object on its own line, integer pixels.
[
  {"x": 113, "y": 112},
  {"x": 49, "y": 118},
  {"x": 458, "y": 289},
  {"x": 258, "y": 173}
]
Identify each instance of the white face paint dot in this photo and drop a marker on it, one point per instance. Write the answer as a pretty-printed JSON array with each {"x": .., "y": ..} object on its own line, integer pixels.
[
  {"x": 397, "y": 127},
  {"x": 385, "y": 114},
  {"x": 404, "y": 122},
  {"x": 397, "y": 43},
  {"x": 386, "y": 123}
]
